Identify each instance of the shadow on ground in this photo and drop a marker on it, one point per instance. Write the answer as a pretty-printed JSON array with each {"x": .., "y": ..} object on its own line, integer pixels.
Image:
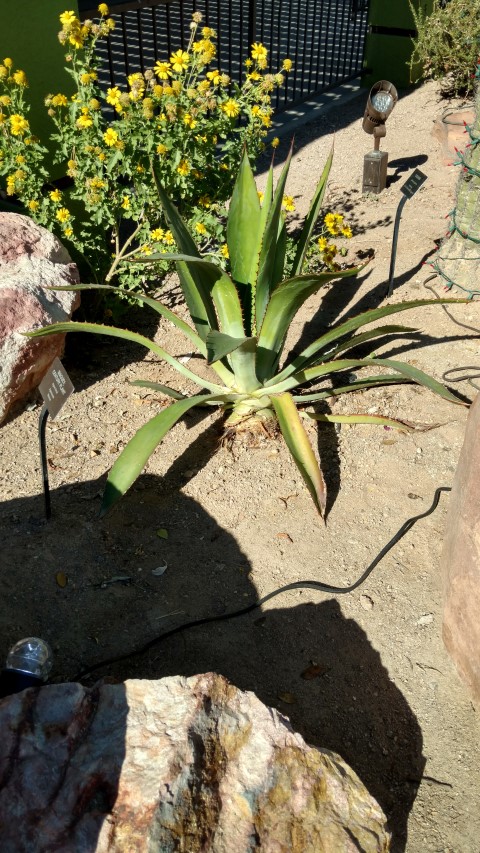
[{"x": 112, "y": 603}]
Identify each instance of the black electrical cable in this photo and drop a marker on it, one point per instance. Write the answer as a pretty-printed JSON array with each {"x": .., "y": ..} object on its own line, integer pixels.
[
  {"x": 447, "y": 312},
  {"x": 449, "y": 375},
  {"x": 316, "y": 585}
]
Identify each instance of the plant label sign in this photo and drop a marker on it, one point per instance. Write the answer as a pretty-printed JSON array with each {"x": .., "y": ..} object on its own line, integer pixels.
[
  {"x": 413, "y": 183},
  {"x": 55, "y": 388}
]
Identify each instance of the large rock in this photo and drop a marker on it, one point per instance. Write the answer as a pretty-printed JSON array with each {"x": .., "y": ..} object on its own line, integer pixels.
[
  {"x": 182, "y": 764},
  {"x": 31, "y": 259},
  {"x": 461, "y": 559}
]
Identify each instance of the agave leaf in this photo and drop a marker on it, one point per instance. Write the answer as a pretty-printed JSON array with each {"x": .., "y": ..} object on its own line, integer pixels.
[
  {"x": 227, "y": 302},
  {"x": 219, "y": 345},
  {"x": 224, "y": 373},
  {"x": 280, "y": 254},
  {"x": 268, "y": 249},
  {"x": 126, "y": 335},
  {"x": 312, "y": 217},
  {"x": 139, "y": 449},
  {"x": 243, "y": 225},
  {"x": 356, "y": 385},
  {"x": 156, "y": 386},
  {"x": 407, "y": 370},
  {"x": 155, "y": 304},
  {"x": 284, "y": 303},
  {"x": 415, "y": 375},
  {"x": 382, "y": 420},
  {"x": 243, "y": 362},
  {"x": 242, "y": 357},
  {"x": 181, "y": 234},
  {"x": 167, "y": 256},
  {"x": 221, "y": 290},
  {"x": 213, "y": 399},
  {"x": 369, "y": 335},
  {"x": 196, "y": 293},
  {"x": 345, "y": 328},
  {"x": 299, "y": 446},
  {"x": 264, "y": 214},
  {"x": 242, "y": 353}
]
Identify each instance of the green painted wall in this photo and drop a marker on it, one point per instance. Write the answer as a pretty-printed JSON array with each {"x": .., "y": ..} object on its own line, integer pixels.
[
  {"x": 387, "y": 53},
  {"x": 28, "y": 35}
]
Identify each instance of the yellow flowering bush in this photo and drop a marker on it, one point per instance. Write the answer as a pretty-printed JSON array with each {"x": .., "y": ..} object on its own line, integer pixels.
[
  {"x": 184, "y": 116},
  {"x": 326, "y": 247}
]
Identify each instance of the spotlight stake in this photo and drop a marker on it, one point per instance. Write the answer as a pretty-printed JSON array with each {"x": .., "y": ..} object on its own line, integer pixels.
[{"x": 381, "y": 101}]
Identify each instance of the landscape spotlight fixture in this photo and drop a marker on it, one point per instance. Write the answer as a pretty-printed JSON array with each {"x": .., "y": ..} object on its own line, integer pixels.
[
  {"x": 28, "y": 664},
  {"x": 381, "y": 101}
]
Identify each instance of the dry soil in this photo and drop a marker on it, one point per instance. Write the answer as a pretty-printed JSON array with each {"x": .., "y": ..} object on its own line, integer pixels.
[{"x": 230, "y": 523}]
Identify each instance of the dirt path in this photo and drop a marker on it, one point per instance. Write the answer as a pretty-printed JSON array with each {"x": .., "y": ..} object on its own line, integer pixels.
[{"x": 239, "y": 522}]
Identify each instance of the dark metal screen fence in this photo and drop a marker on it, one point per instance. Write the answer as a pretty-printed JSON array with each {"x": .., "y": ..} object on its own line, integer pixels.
[{"x": 324, "y": 38}]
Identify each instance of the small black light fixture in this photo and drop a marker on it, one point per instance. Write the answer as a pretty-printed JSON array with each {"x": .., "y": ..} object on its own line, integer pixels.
[{"x": 381, "y": 101}]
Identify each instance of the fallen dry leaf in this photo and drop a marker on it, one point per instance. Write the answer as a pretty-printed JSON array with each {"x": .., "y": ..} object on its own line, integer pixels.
[
  {"x": 315, "y": 670},
  {"x": 285, "y": 536},
  {"x": 288, "y": 698}
]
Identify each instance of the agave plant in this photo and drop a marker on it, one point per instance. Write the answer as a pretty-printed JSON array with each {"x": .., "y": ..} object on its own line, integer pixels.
[{"x": 239, "y": 325}]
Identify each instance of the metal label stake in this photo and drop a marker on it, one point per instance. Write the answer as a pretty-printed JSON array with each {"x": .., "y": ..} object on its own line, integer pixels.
[
  {"x": 409, "y": 188},
  {"x": 55, "y": 389}
]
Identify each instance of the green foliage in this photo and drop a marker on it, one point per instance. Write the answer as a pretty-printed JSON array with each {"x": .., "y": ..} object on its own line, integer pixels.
[
  {"x": 183, "y": 114},
  {"x": 448, "y": 44},
  {"x": 241, "y": 316}
]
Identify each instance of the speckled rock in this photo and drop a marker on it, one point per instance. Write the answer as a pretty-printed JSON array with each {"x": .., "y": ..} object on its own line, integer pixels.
[
  {"x": 190, "y": 764},
  {"x": 31, "y": 259},
  {"x": 461, "y": 559}
]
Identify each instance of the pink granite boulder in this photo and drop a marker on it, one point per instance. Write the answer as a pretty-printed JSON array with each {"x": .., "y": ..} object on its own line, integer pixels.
[
  {"x": 461, "y": 559},
  {"x": 31, "y": 259},
  {"x": 189, "y": 764}
]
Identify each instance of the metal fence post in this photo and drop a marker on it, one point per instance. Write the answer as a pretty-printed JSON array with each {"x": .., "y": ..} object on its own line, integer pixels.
[{"x": 252, "y": 23}]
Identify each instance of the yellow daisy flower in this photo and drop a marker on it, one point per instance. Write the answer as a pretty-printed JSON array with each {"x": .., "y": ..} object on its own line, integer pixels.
[
  {"x": 259, "y": 51},
  {"x": 113, "y": 96},
  {"x": 63, "y": 215},
  {"x": 67, "y": 18},
  {"x": 110, "y": 137},
  {"x": 183, "y": 167},
  {"x": 215, "y": 77},
  {"x": 180, "y": 61},
  {"x": 231, "y": 108},
  {"x": 59, "y": 100},
  {"x": 163, "y": 70},
  {"x": 20, "y": 78},
  {"x": 84, "y": 121},
  {"x": 157, "y": 234},
  {"x": 18, "y": 125}
]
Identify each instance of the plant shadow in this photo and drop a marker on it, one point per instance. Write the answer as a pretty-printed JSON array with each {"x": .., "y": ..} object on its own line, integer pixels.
[{"x": 114, "y": 602}]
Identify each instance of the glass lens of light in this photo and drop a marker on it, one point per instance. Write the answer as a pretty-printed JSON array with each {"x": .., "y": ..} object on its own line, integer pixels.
[
  {"x": 31, "y": 655},
  {"x": 382, "y": 101}
]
